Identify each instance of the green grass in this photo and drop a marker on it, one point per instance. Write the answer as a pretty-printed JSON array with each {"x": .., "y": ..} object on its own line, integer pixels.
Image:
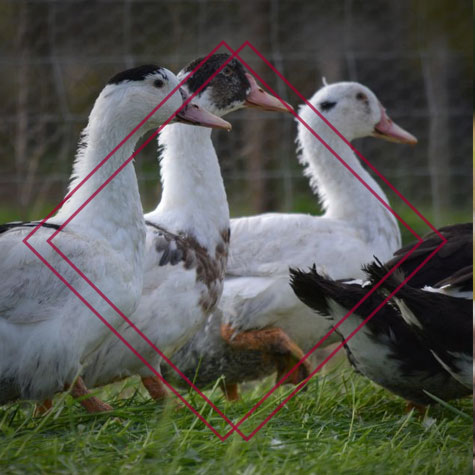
[{"x": 341, "y": 424}]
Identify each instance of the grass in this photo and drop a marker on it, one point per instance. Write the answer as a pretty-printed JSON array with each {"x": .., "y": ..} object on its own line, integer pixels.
[{"x": 341, "y": 424}]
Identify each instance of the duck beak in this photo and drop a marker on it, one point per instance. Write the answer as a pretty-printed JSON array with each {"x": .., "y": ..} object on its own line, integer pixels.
[
  {"x": 193, "y": 114},
  {"x": 386, "y": 129},
  {"x": 260, "y": 99}
]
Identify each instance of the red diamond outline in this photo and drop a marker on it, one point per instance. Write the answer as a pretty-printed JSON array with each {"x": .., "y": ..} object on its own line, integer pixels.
[{"x": 234, "y": 427}]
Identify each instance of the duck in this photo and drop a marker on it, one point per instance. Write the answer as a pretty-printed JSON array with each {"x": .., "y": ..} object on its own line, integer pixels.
[
  {"x": 46, "y": 332},
  {"x": 440, "y": 315},
  {"x": 388, "y": 349},
  {"x": 258, "y": 311},
  {"x": 187, "y": 234}
]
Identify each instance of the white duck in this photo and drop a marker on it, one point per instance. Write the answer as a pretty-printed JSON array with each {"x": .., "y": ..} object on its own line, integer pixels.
[
  {"x": 187, "y": 234},
  {"x": 355, "y": 227},
  {"x": 47, "y": 332}
]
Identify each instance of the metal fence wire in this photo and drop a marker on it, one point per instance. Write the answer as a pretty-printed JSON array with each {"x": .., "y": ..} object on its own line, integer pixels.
[{"x": 55, "y": 56}]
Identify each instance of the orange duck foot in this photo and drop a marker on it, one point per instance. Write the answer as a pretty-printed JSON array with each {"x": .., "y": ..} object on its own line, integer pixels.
[
  {"x": 276, "y": 346},
  {"x": 92, "y": 404},
  {"x": 43, "y": 408}
]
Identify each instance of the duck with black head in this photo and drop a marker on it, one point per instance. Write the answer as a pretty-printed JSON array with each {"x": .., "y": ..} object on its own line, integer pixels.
[{"x": 187, "y": 234}]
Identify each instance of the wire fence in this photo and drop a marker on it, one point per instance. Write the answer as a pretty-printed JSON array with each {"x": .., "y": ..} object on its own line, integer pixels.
[{"x": 55, "y": 57}]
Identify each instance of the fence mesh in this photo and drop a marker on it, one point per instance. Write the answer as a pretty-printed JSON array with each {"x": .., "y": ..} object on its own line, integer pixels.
[{"x": 55, "y": 57}]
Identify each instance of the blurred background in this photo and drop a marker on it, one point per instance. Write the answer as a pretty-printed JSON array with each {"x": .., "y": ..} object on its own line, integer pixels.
[{"x": 55, "y": 56}]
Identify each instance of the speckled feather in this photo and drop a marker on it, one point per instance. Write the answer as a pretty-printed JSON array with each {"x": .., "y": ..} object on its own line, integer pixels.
[{"x": 187, "y": 236}]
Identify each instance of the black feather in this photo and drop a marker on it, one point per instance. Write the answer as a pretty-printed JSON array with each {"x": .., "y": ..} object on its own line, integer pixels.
[
  {"x": 417, "y": 368},
  {"x": 453, "y": 256},
  {"x": 226, "y": 89},
  {"x": 135, "y": 74},
  {"x": 308, "y": 288},
  {"x": 26, "y": 224},
  {"x": 462, "y": 279}
]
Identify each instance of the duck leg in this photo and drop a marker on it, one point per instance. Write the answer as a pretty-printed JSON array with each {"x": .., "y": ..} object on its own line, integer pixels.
[
  {"x": 155, "y": 388},
  {"x": 158, "y": 391},
  {"x": 90, "y": 403},
  {"x": 230, "y": 391},
  {"x": 275, "y": 345},
  {"x": 43, "y": 408}
]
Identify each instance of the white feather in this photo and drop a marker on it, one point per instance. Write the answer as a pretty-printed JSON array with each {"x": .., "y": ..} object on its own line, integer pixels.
[
  {"x": 354, "y": 228},
  {"x": 46, "y": 332},
  {"x": 193, "y": 203}
]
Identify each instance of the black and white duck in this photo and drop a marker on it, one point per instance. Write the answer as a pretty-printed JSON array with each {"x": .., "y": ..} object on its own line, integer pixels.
[
  {"x": 187, "y": 235},
  {"x": 388, "y": 349}
]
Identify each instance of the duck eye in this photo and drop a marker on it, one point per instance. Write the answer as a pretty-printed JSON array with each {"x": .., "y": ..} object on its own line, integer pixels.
[
  {"x": 327, "y": 105},
  {"x": 361, "y": 97},
  {"x": 158, "y": 83},
  {"x": 227, "y": 71}
]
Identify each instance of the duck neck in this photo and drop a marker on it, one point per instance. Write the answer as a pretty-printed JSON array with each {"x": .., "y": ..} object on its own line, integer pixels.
[
  {"x": 342, "y": 195},
  {"x": 115, "y": 213},
  {"x": 193, "y": 197}
]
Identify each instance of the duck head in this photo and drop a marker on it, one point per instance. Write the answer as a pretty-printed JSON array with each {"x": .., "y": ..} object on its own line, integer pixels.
[
  {"x": 232, "y": 88},
  {"x": 355, "y": 111},
  {"x": 135, "y": 92}
]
